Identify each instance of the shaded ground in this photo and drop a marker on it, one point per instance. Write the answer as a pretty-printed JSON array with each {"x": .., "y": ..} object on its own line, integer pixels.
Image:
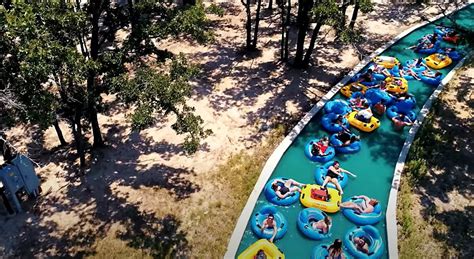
[
  {"x": 442, "y": 198},
  {"x": 142, "y": 195}
]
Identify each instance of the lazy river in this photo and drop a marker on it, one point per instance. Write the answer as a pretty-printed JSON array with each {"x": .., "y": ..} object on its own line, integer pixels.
[{"x": 374, "y": 164}]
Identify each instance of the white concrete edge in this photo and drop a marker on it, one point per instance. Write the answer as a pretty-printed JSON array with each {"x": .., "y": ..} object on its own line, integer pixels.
[
  {"x": 273, "y": 160},
  {"x": 391, "y": 213}
]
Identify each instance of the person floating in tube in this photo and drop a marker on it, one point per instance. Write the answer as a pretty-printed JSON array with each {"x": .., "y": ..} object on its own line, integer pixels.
[{"x": 269, "y": 222}]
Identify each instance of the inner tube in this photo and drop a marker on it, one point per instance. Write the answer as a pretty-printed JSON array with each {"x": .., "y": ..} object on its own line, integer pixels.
[
  {"x": 320, "y": 175},
  {"x": 376, "y": 95},
  {"x": 454, "y": 55},
  {"x": 270, "y": 250},
  {"x": 417, "y": 69},
  {"x": 304, "y": 223},
  {"x": 328, "y": 123},
  {"x": 442, "y": 31},
  {"x": 273, "y": 198},
  {"x": 393, "y": 111},
  {"x": 430, "y": 80},
  {"x": 363, "y": 218},
  {"x": 352, "y": 148},
  {"x": 329, "y": 154},
  {"x": 431, "y": 50},
  {"x": 257, "y": 222},
  {"x": 338, "y": 107},
  {"x": 371, "y": 235},
  {"x": 321, "y": 251},
  {"x": 406, "y": 105}
]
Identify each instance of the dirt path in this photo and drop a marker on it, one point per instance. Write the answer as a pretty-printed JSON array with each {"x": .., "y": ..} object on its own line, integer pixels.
[{"x": 143, "y": 195}]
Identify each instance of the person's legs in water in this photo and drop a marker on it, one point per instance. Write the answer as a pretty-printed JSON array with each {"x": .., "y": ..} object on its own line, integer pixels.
[
  {"x": 326, "y": 180},
  {"x": 338, "y": 186}
]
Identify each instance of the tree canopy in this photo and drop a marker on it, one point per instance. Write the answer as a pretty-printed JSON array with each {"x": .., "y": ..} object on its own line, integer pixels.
[{"x": 59, "y": 57}]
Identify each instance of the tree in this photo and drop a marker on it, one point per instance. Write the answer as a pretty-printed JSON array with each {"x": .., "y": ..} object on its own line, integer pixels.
[
  {"x": 251, "y": 43},
  {"x": 62, "y": 80},
  {"x": 365, "y": 6},
  {"x": 320, "y": 12}
]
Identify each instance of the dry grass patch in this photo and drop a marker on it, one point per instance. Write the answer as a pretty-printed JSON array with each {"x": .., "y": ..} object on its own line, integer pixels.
[{"x": 235, "y": 181}]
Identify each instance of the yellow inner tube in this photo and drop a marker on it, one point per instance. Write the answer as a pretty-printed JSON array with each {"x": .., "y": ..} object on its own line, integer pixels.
[
  {"x": 347, "y": 90},
  {"x": 370, "y": 126},
  {"x": 331, "y": 206},
  {"x": 435, "y": 62},
  {"x": 270, "y": 250},
  {"x": 386, "y": 61},
  {"x": 393, "y": 86}
]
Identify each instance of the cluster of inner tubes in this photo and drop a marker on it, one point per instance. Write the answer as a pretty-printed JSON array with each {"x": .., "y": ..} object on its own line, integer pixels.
[{"x": 387, "y": 86}]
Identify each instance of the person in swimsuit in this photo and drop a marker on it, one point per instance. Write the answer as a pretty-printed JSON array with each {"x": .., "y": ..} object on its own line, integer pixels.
[
  {"x": 322, "y": 225},
  {"x": 357, "y": 103},
  {"x": 361, "y": 244},
  {"x": 365, "y": 114},
  {"x": 285, "y": 188},
  {"x": 339, "y": 121},
  {"x": 400, "y": 121},
  {"x": 319, "y": 148},
  {"x": 367, "y": 206},
  {"x": 260, "y": 255},
  {"x": 367, "y": 76},
  {"x": 431, "y": 74},
  {"x": 346, "y": 138},
  {"x": 332, "y": 175},
  {"x": 335, "y": 250},
  {"x": 269, "y": 222}
]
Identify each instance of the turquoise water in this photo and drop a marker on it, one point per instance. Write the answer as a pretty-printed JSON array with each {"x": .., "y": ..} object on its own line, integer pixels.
[{"x": 374, "y": 164}]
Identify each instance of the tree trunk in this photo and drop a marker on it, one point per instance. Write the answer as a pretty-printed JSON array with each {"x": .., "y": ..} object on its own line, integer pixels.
[
  {"x": 283, "y": 29},
  {"x": 77, "y": 133},
  {"x": 91, "y": 82},
  {"x": 312, "y": 43},
  {"x": 248, "y": 25},
  {"x": 257, "y": 20},
  {"x": 270, "y": 5},
  {"x": 342, "y": 23},
  {"x": 287, "y": 30},
  {"x": 303, "y": 22},
  {"x": 59, "y": 133},
  {"x": 354, "y": 15}
]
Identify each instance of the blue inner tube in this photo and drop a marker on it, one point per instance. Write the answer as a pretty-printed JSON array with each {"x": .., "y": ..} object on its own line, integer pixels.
[
  {"x": 305, "y": 218},
  {"x": 321, "y": 251},
  {"x": 329, "y": 154},
  {"x": 376, "y": 95},
  {"x": 430, "y": 80},
  {"x": 371, "y": 83},
  {"x": 416, "y": 69},
  {"x": 273, "y": 198},
  {"x": 395, "y": 71},
  {"x": 442, "y": 31},
  {"x": 328, "y": 123},
  {"x": 454, "y": 55},
  {"x": 406, "y": 105},
  {"x": 338, "y": 107},
  {"x": 393, "y": 111},
  {"x": 431, "y": 50},
  {"x": 371, "y": 235},
  {"x": 320, "y": 175},
  {"x": 352, "y": 148},
  {"x": 363, "y": 218},
  {"x": 257, "y": 221}
]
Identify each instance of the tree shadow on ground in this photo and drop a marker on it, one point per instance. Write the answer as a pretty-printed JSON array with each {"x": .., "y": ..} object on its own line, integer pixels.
[
  {"x": 460, "y": 231},
  {"x": 70, "y": 221},
  {"x": 451, "y": 161}
]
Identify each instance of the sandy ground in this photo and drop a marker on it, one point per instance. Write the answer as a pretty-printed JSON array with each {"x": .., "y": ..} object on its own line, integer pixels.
[{"x": 142, "y": 184}]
